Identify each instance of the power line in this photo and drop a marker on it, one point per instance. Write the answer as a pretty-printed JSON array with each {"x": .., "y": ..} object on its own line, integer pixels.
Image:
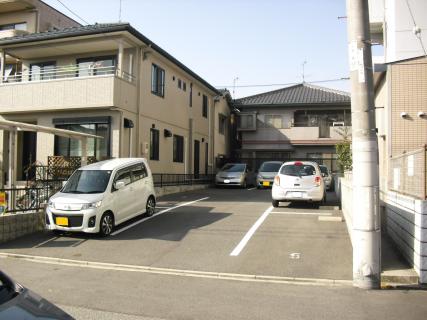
[
  {"x": 282, "y": 84},
  {"x": 72, "y": 12}
]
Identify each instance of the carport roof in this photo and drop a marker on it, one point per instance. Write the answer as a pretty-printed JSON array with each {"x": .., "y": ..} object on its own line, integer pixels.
[{"x": 300, "y": 94}]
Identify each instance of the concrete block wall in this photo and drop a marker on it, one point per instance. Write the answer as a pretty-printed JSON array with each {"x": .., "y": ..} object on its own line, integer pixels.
[
  {"x": 13, "y": 226},
  {"x": 406, "y": 223},
  {"x": 163, "y": 191},
  {"x": 346, "y": 197}
]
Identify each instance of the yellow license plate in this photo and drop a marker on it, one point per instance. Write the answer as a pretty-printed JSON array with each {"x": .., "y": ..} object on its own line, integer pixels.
[
  {"x": 62, "y": 221},
  {"x": 266, "y": 183}
]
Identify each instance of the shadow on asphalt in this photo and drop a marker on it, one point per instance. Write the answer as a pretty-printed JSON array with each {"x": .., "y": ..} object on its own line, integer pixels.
[{"x": 170, "y": 226}]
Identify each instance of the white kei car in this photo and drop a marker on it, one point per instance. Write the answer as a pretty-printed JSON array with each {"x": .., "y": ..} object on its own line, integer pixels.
[
  {"x": 100, "y": 196},
  {"x": 298, "y": 181}
]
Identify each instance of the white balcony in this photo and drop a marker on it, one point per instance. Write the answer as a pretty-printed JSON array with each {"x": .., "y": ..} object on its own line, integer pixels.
[{"x": 63, "y": 89}]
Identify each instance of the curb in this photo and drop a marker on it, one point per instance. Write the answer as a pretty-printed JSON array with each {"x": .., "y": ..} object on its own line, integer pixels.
[{"x": 178, "y": 272}]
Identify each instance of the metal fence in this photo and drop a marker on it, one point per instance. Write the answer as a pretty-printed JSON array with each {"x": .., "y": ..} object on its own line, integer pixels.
[
  {"x": 331, "y": 162},
  {"x": 15, "y": 200},
  {"x": 166, "y": 179},
  {"x": 407, "y": 173}
]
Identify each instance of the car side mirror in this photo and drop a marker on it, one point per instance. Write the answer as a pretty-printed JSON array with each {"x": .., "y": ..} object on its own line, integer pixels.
[
  {"x": 119, "y": 185},
  {"x": 64, "y": 183}
]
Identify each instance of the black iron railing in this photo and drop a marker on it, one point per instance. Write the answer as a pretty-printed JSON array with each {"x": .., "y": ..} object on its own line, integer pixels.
[{"x": 167, "y": 179}]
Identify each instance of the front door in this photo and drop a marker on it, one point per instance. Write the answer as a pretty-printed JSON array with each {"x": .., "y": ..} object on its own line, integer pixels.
[{"x": 196, "y": 158}]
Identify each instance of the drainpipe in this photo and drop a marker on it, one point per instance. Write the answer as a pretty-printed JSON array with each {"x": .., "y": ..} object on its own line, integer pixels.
[
  {"x": 12, "y": 165},
  {"x": 2, "y": 64},
  {"x": 120, "y": 60}
]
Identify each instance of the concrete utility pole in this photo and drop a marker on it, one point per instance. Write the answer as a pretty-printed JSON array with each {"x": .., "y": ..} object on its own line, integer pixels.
[{"x": 366, "y": 219}]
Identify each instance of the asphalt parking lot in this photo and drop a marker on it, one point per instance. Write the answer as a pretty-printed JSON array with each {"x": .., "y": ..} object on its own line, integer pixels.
[{"x": 230, "y": 231}]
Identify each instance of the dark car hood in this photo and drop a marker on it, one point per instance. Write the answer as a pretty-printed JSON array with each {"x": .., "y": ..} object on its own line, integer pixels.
[{"x": 29, "y": 305}]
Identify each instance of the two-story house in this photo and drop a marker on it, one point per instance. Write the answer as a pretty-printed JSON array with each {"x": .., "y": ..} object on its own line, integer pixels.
[
  {"x": 112, "y": 81},
  {"x": 297, "y": 122}
]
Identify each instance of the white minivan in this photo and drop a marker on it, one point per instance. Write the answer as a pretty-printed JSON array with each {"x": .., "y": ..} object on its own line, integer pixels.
[
  {"x": 100, "y": 196},
  {"x": 298, "y": 181}
]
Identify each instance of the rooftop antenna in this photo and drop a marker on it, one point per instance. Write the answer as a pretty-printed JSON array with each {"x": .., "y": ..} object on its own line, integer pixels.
[
  {"x": 120, "y": 11},
  {"x": 234, "y": 86},
  {"x": 303, "y": 71}
]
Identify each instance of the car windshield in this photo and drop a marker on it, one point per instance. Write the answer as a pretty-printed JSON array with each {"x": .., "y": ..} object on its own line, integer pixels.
[
  {"x": 324, "y": 170},
  {"x": 237, "y": 167},
  {"x": 298, "y": 170},
  {"x": 270, "y": 167},
  {"x": 87, "y": 181}
]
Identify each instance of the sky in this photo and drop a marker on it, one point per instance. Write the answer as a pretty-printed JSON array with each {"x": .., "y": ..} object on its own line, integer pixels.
[{"x": 249, "y": 43}]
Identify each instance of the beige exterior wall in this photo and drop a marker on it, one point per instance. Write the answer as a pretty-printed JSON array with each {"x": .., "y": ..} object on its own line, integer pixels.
[
  {"x": 408, "y": 94},
  {"x": 108, "y": 94},
  {"x": 222, "y": 141}
]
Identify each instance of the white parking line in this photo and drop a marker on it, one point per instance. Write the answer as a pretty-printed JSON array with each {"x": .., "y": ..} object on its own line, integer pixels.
[
  {"x": 162, "y": 207},
  {"x": 251, "y": 189},
  {"x": 303, "y": 213},
  {"x": 250, "y": 233},
  {"x": 155, "y": 215},
  {"x": 44, "y": 242}
]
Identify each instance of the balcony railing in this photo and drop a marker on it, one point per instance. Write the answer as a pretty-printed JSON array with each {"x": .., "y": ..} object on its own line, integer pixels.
[{"x": 65, "y": 72}]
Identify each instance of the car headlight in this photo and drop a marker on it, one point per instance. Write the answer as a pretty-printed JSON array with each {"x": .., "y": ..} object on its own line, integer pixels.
[
  {"x": 51, "y": 204},
  {"x": 93, "y": 205},
  {"x": 259, "y": 176}
]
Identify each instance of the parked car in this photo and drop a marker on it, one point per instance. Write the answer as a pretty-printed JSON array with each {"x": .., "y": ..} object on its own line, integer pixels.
[
  {"x": 298, "y": 181},
  {"x": 266, "y": 173},
  {"x": 17, "y": 302},
  {"x": 235, "y": 174},
  {"x": 327, "y": 177},
  {"x": 100, "y": 196}
]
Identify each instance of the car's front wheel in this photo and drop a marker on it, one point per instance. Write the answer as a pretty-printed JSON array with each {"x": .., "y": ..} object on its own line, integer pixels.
[
  {"x": 106, "y": 224},
  {"x": 275, "y": 203}
]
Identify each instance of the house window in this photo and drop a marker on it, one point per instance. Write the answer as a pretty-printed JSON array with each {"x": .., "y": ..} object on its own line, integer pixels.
[
  {"x": 154, "y": 144},
  {"x": 205, "y": 106},
  {"x": 42, "y": 71},
  {"x": 98, "y": 148},
  {"x": 184, "y": 86},
  {"x": 178, "y": 148},
  {"x": 179, "y": 83},
  {"x": 14, "y": 26},
  {"x": 273, "y": 121},
  {"x": 158, "y": 80},
  {"x": 95, "y": 66},
  {"x": 247, "y": 122},
  {"x": 222, "y": 121}
]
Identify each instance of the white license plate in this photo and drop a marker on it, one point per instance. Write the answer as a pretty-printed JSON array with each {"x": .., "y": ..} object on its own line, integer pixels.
[
  {"x": 296, "y": 194},
  {"x": 226, "y": 181}
]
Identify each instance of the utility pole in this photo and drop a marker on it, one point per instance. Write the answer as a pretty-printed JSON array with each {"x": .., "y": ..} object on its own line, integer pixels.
[{"x": 366, "y": 219}]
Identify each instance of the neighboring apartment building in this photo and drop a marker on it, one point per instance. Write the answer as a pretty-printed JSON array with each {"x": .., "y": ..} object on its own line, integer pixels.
[
  {"x": 19, "y": 17},
  {"x": 110, "y": 80},
  {"x": 298, "y": 122},
  {"x": 401, "y": 106},
  {"x": 399, "y": 27}
]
